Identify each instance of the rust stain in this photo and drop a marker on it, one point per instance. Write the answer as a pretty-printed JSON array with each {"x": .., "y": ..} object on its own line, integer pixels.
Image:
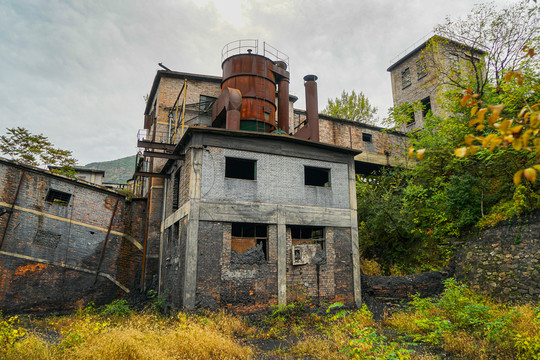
[{"x": 22, "y": 270}]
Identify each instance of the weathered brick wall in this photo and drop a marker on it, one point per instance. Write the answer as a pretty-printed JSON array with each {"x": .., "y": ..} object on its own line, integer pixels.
[
  {"x": 311, "y": 281},
  {"x": 245, "y": 284},
  {"x": 173, "y": 262},
  {"x": 343, "y": 273},
  {"x": 50, "y": 252},
  {"x": 346, "y": 133}
]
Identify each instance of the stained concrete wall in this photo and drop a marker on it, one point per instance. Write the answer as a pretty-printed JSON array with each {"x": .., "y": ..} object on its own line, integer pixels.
[
  {"x": 50, "y": 252},
  {"x": 280, "y": 180}
]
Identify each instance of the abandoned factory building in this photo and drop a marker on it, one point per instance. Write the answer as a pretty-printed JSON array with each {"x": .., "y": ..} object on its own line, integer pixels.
[
  {"x": 251, "y": 201},
  {"x": 240, "y": 200}
]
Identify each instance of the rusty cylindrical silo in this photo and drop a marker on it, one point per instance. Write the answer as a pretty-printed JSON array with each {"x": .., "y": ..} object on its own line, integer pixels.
[{"x": 255, "y": 76}]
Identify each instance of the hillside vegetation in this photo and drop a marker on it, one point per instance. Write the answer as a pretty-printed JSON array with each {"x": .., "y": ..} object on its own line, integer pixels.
[{"x": 117, "y": 171}]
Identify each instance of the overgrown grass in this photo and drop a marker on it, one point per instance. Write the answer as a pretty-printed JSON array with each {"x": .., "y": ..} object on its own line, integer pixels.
[
  {"x": 472, "y": 326},
  {"x": 460, "y": 322}
]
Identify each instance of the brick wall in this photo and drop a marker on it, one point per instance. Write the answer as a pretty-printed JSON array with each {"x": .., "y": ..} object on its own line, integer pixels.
[{"x": 51, "y": 252}]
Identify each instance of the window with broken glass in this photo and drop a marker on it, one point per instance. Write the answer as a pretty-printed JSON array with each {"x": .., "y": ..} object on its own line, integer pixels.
[
  {"x": 205, "y": 105},
  {"x": 406, "y": 78},
  {"x": 249, "y": 243},
  {"x": 308, "y": 245}
]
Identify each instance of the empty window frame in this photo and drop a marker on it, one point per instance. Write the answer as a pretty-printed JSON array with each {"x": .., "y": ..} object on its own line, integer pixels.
[
  {"x": 426, "y": 106},
  {"x": 366, "y": 137},
  {"x": 205, "y": 105},
  {"x": 58, "y": 197},
  {"x": 236, "y": 168},
  {"x": 406, "y": 78},
  {"x": 307, "y": 235},
  {"x": 176, "y": 190},
  {"x": 421, "y": 68},
  {"x": 249, "y": 243},
  {"x": 315, "y": 176}
]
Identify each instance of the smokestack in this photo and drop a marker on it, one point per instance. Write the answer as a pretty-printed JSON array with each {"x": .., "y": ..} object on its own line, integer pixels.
[
  {"x": 283, "y": 99},
  {"x": 312, "y": 107}
]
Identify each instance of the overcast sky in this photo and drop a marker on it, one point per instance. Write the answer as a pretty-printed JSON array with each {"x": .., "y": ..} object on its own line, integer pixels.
[{"x": 77, "y": 71}]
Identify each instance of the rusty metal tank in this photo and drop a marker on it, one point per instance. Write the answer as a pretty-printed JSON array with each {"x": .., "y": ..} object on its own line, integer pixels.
[{"x": 254, "y": 75}]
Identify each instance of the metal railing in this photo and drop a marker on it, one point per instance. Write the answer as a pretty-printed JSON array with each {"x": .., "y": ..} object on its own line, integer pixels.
[{"x": 251, "y": 46}]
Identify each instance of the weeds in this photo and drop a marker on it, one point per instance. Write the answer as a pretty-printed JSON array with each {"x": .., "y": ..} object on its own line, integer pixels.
[{"x": 471, "y": 325}]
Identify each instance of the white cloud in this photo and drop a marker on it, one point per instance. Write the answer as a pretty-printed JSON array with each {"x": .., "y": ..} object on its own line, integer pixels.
[{"x": 77, "y": 71}]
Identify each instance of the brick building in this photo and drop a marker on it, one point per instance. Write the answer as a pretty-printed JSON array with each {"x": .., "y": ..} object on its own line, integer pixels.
[
  {"x": 64, "y": 242},
  {"x": 422, "y": 75},
  {"x": 250, "y": 200}
]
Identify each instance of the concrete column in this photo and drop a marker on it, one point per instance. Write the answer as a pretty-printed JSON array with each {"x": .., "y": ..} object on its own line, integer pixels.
[
  {"x": 355, "y": 253},
  {"x": 192, "y": 238},
  {"x": 281, "y": 257}
]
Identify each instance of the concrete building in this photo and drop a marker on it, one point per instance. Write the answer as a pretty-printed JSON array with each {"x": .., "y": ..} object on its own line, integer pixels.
[
  {"x": 64, "y": 242},
  {"x": 256, "y": 218},
  {"x": 252, "y": 200},
  {"x": 426, "y": 72}
]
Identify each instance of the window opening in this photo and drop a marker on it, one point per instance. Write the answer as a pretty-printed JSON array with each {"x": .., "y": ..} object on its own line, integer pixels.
[
  {"x": 405, "y": 78},
  {"x": 236, "y": 168},
  {"x": 47, "y": 239},
  {"x": 205, "y": 104},
  {"x": 315, "y": 176},
  {"x": 58, "y": 197},
  {"x": 426, "y": 106},
  {"x": 366, "y": 137},
  {"x": 249, "y": 243},
  {"x": 421, "y": 68},
  {"x": 176, "y": 190},
  {"x": 307, "y": 235}
]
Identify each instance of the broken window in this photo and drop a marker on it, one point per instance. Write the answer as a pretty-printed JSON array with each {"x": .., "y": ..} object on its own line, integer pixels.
[
  {"x": 421, "y": 68},
  {"x": 307, "y": 235},
  {"x": 236, "y": 168},
  {"x": 205, "y": 104},
  {"x": 426, "y": 106},
  {"x": 176, "y": 190},
  {"x": 315, "y": 176},
  {"x": 366, "y": 137},
  {"x": 249, "y": 243},
  {"x": 58, "y": 197},
  {"x": 308, "y": 245},
  {"x": 405, "y": 78}
]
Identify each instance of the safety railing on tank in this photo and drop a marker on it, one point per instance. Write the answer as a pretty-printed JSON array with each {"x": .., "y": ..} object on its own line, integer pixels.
[{"x": 251, "y": 46}]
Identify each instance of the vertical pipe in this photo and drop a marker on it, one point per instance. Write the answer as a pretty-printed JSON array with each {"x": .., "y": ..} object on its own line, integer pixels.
[
  {"x": 12, "y": 208},
  {"x": 283, "y": 104},
  {"x": 312, "y": 108},
  {"x": 106, "y": 239}
]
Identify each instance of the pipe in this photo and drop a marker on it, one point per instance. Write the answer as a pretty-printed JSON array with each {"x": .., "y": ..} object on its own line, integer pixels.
[
  {"x": 12, "y": 207},
  {"x": 312, "y": 108},
  {"x": 106, "y": 240},
  {"x": 283, "y": 104}
]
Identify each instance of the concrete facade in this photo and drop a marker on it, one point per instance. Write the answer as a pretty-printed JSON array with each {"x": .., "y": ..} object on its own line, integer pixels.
[
  {"x": 64, "y": 242},
  {"x": 205, "y": 262}
]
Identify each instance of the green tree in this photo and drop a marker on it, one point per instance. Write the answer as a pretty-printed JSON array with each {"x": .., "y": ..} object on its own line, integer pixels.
[
  {"x": 476, "y": 51},
  {"x": 36, "y": 150},
  {"x": 354, "y": 107}
]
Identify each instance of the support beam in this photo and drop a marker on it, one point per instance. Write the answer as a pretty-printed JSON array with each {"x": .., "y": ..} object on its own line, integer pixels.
[
  {"x": 149, "y": 174},
  {"x": 355, "y": 252},
  {"x": 155, "y": 145},
  {"x": 282, "y": 257},
  {"x": 163, "y": 155},
  {"x": 192, "y": 238}
]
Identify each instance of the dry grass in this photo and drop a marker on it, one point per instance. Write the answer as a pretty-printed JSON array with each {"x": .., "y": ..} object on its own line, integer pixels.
[{"x": 144, "y": 336}]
